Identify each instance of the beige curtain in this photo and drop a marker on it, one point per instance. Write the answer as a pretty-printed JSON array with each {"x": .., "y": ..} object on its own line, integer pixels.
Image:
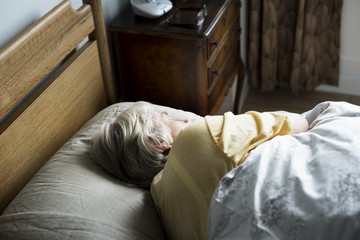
[{"x": 294, "y": 43}]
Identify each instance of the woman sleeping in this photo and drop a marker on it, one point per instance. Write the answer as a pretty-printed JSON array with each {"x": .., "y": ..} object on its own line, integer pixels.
[{"x": 183, "y": 162}]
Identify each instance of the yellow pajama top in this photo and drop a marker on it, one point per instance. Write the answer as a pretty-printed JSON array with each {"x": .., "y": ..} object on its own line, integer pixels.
[{"x": 200, "y": 156}]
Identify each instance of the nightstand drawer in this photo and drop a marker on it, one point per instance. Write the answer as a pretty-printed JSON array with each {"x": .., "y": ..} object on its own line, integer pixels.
[
  {"x": 225, "y": 79},
  {"x": 227, "y": 47},
  {"x": 225, "y": 22},
  {"x": 177, "y": 66}
]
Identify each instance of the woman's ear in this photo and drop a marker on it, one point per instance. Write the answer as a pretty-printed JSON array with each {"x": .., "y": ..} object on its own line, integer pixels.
[{"x": 164, "y": 146}]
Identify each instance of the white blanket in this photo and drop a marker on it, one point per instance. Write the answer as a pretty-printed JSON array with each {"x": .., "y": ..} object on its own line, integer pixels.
[{"x": 304, "y": 186}]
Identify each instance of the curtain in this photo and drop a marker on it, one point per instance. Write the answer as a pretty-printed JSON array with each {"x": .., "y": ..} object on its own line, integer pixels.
[{"x": 294, "y": 43}]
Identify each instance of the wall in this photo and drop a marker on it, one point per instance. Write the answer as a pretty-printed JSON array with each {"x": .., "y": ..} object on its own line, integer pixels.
[
  {"x": 349, "y": 50},
  {"x": 17, "y": 15}
]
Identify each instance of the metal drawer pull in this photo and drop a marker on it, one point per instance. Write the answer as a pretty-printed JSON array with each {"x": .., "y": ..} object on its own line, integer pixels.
[
  {"x": 216, "y": 72},
  {"x": 216, "y": 43}
]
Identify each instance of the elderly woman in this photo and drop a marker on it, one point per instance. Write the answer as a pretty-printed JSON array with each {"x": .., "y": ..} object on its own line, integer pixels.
[{"x": 184, "y": 161}]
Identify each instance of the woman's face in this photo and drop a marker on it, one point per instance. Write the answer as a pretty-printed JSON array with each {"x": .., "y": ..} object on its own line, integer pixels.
[{"x": 175, "y": 125}]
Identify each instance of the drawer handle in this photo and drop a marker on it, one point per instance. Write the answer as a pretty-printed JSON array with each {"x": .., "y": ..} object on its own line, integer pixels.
[
  {"x": 216, "y": 43},
  {"x": 216, "y": 72},
  {"x": 225, "y": 19}
]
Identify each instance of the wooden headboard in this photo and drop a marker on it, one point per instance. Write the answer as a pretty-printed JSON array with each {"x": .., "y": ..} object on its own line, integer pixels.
[{"x": 49, "y": 88}]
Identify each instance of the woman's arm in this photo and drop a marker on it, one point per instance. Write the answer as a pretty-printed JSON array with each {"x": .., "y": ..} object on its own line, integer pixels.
[{"x": 300, "y": 124}]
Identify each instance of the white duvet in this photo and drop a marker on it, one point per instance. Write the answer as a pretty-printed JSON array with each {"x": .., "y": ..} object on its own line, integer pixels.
[{"x": 304, "y": 186}]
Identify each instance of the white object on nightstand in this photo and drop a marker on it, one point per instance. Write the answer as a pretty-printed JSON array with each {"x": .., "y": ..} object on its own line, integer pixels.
[{"x": 151, "y": 8}]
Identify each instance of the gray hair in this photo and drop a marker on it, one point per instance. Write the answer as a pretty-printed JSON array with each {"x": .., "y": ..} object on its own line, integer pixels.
[{"x": 127, "y": 147}]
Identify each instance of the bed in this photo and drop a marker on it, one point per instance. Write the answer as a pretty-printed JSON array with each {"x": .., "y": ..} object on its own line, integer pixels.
[
  {"x": 51, "y": 84},
  {"x": 56, "y": 90},
  {"x": 56, "y": 94}
]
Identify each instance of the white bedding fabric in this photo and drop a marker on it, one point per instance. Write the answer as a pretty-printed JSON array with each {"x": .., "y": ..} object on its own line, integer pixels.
[
  {"x": 305, "y": 186},
  {"x": 71, "y": 197}
]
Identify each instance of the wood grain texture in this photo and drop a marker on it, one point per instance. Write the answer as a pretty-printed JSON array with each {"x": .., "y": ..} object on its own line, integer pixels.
[
  {"x": 100, "y": 35},
  {"x": 186, "y": 68},
  {"x": 74, "y": 95},
  {"x": 31, "y": 56}
]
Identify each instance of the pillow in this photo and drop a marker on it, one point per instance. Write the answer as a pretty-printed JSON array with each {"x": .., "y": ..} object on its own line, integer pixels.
[{"x": 71, "y": 197}]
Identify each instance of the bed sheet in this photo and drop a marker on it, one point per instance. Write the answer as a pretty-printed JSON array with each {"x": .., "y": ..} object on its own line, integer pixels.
[{"x": 304, "y": 186}]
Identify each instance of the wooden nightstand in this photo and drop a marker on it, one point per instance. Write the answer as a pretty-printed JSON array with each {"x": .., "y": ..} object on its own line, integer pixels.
[{"x": 181, "y": 67}]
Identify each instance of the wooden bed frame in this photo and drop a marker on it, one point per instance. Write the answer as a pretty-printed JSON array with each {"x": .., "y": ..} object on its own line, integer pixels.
[{"x": 41, "y": 108}]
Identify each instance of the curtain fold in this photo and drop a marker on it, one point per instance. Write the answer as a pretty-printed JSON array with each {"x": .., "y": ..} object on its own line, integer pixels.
[{"x": 294, "y": 43}]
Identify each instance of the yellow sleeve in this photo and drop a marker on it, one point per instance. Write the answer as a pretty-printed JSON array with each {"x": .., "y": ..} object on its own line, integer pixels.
[
  {"x": 237, "y": 135},
  {"x": 182, "y": 192}
]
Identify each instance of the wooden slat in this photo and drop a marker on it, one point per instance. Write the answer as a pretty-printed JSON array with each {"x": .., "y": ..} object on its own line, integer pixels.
[
  {"x": 31, "y": 56},
  {"x": 75, "y": 94},
  {"x": 100, "y": 35}
]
